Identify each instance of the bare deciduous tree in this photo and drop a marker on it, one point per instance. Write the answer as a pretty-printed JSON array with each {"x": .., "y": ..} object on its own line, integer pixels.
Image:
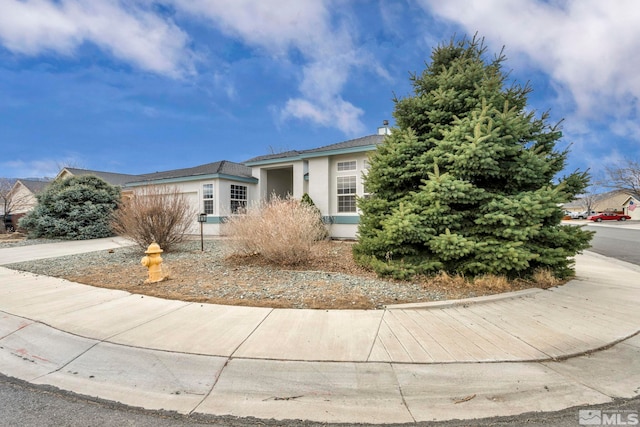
[
  {"x": 11, "y": 203},
  {"x": 158, "y": 214},
  {"x": 589, "y": 201},
  {"x": 624, "y": 176}
]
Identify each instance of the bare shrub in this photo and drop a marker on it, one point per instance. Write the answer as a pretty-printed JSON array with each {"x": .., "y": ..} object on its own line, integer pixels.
[
  {"x": 158, "y": 214},
  {"x": 282, "y": 231}
]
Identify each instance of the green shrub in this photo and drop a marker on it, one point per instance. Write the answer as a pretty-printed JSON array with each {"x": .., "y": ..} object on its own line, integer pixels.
[{"x": 75, "y": 208}]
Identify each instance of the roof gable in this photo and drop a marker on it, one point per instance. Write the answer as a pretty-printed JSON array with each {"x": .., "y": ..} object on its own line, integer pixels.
[
  {"x": 34, "y": 185},
  {"x": 112, "y": 178}
]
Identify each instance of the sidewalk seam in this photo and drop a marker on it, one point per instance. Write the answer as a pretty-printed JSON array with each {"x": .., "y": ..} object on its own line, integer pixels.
[
  {"x": 404, "y": 401},
  {"x": 375, "y": 338},
  {"x": 250, "y": 334}
]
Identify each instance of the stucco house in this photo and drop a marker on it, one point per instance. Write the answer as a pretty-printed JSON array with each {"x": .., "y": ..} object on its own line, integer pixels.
[
  {"x": 23, "y": 194},
  {"x": 20, "y": 200},
  {"x": 332, "y": 175}
]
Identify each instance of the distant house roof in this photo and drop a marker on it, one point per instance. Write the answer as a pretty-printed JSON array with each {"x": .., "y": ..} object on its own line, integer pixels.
[
  {"x": 364, "y": 143},
  {"x": 221, "y": 169},
  {"x": 34, "y": 185},
  {"x": 112, "y": 178}
]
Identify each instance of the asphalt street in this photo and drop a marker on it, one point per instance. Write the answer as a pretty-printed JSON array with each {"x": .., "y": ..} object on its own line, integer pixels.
[{"x": 617, "y": 241}]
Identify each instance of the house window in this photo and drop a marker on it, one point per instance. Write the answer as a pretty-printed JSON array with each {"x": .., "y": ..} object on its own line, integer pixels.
[
  {"x": 207, "y": 198},
  {"x": 238, "y": 198},
  {"x": 347, "y": 166},
  {"x": 347, "y": 193}
]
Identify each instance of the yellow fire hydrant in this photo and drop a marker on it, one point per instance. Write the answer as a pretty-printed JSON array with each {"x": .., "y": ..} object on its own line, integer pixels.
[{"x": 153, "y": 261}]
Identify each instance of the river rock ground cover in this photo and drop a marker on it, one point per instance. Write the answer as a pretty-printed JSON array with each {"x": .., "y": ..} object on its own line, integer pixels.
[{"x": 330, "y": 280}]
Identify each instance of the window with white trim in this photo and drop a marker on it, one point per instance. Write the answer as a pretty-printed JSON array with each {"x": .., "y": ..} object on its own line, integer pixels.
[
  {"x": 207, "y": 199},
  {"x": 238, "y": 199},
  {"x": 351, "y": 165},
  {"x": 347, "y": 193}
]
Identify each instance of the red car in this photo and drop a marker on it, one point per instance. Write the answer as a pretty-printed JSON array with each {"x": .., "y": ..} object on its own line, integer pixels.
[{"x": 609, "y": 216}]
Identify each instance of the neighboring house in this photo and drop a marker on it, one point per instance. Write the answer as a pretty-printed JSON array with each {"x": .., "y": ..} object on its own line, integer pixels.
[
  {"x": 22, "y": 198},
  {"x": 631, "y": 205},
  {"x": 116, "y": 179},
  {"x": 23, "y": 194},
  {"x": 610, "y": 201}
]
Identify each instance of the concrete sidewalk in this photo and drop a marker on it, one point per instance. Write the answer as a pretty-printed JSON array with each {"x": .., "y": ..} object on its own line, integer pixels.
[
  {"x": 539, "y": 350},
  {"x": 54, "y": 250}
]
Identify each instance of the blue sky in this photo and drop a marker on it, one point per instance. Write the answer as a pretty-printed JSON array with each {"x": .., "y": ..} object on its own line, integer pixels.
[{"x": 137, "y": 86}]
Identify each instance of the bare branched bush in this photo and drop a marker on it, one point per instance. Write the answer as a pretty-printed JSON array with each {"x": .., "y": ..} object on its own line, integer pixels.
[
  {"x": 282, "y": 231},
  {"x": 158, "y": 214}
]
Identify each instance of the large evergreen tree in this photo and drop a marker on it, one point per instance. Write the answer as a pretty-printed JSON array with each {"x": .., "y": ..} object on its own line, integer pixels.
[
  {"x": 467, "y": 181},
  {"x": 73, "y": 208}
]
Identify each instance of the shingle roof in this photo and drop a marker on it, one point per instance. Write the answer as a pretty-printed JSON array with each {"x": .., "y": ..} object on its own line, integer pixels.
[
  {"x": 352, "y": 143},
  {"x": 110, "y": 177},
  {"x": 35, "y": 185},
  {"x": 222, "y": 167}
]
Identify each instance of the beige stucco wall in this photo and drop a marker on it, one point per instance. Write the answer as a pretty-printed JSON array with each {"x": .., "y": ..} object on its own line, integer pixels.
[
  {"x": 612, "y": 203},
  {"x": 22, "y": 199}
]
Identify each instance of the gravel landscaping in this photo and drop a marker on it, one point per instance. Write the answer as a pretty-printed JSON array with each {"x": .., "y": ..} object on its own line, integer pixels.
[{"x": 330, "y": 281}]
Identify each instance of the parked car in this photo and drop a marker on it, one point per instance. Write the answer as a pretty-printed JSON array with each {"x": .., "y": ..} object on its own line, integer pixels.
[
  {"x": 609, "y": 216},
  {"x": 579, "y": 215}
]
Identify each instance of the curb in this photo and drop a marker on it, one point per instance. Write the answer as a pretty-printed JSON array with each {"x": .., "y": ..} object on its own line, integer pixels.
[{"x": 465, "y": 301}]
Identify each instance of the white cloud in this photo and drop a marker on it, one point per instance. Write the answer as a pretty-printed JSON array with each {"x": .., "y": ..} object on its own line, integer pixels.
[
  {"x": 136, "y": 33},
  {"x": 588, "y": 47},
  {"x": 128, "y": 32},
  {"x": 333, "y": 112},
  {"x": 282, "y": 27}
]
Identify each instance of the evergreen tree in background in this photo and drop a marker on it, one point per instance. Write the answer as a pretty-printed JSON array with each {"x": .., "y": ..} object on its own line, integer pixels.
[
  {"x": 465, "y": 182},
  {"x": 74, "y": 208}
]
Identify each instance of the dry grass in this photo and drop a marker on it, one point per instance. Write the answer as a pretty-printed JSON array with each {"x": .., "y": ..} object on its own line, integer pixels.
[{"x": 282, "y": 231}]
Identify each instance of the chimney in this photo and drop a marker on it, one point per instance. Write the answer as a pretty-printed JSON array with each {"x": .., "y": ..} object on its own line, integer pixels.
[{"x": 384, "y": 130}]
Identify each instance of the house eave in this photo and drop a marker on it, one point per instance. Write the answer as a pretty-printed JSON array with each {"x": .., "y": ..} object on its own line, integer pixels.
[
  {"x": 306, "y": 155},
  {"x": 351, "y": 150},
  {"x": 274, "y": 161},
  {"x": 181, "y": 179}
]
